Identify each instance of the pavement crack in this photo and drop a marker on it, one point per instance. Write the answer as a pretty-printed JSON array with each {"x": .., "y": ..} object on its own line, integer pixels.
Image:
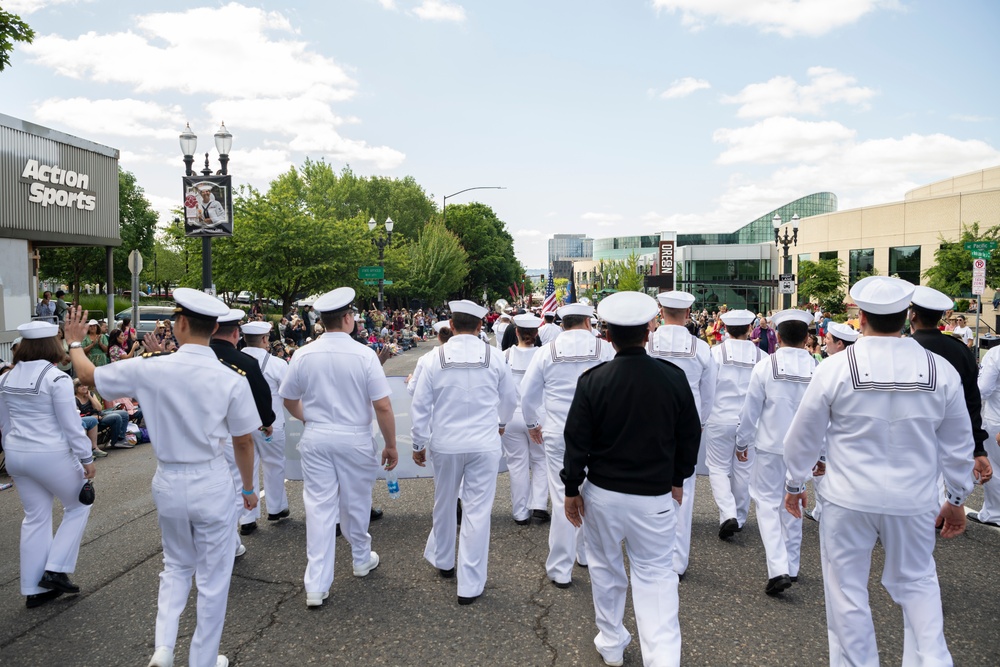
[
  {"x": 272, "y": 617},
  {"x": 540, "y": 628}
]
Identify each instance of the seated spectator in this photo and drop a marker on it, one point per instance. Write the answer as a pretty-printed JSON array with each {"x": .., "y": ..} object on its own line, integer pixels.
[
  {"x": 90, "y": 426},
  {"x": 116, "y": 346},
  {"x": 90, "y": 406}
]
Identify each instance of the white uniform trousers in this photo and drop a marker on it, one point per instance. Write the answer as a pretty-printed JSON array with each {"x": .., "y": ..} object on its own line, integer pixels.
[
  {"x": 475, "y": 474},
  {"x": 780, "y": 532},
  {"x": 566, "y": 542},
  {"x": 991, "y": 490},
  {"x": 194, "y": 505},
  {"x": 847, "y": 538},
  {"x": 243, "y": 516},
  {"x": 730, "y": 477},
  {"x": 338, "y": 469},
  {"x": 817, "y": 510},
  {"x": 529, "y": 484},
  {"x": 39, "y": 477},
  {"x": 647, "y": 524},
  {"x": 271, "y": 455}
]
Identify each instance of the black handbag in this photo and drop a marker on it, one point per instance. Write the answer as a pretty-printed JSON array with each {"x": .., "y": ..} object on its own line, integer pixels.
[{"x": 87, "y": 493}]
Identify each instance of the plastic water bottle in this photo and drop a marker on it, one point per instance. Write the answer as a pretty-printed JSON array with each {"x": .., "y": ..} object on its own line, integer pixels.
[
  {"x": 392, "y": 483},
  {"x": 4, "y": 487}
]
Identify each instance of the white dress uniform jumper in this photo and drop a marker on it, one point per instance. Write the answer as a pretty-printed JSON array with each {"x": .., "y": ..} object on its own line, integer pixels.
[
  {"x": 550, "y": 382},
  {"x": 271, "y": 451},
  {"x": 529, "y": 486},
  {"x": 989, "y": 389},
  {"x": 675, "y": 344}
]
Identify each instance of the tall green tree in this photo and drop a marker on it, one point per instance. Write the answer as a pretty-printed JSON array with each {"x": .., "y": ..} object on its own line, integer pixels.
[
  {"x": 952, "y": 270},
  {"x": 438, "y": 264},
  {"x": 824, "y": 282},
  {"x": 12, "y": 29},
  {"x": 164, "y": 266},
  {"x": 630, "y": 275},
  {"x": 492, "y": 263}
]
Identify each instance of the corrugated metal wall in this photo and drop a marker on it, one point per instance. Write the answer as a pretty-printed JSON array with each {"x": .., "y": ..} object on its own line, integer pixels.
[{"x": 21, "y": 218}]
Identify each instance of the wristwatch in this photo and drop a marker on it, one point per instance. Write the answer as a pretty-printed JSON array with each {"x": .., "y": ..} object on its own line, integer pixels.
[{"x": 75, "y": 344}]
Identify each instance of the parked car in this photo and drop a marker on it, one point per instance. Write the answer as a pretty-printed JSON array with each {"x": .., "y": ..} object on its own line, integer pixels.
[
  {"x": 244, "y": 297},
  {"x": 148, "y": 316}
]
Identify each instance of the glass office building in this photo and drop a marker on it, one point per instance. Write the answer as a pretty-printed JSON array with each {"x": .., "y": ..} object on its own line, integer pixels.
[
  {"x": 621, "y": 247},
  {"x": 761, "y": 230}
]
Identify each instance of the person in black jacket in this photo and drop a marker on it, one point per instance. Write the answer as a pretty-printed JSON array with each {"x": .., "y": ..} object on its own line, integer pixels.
[
  {"x": 633, "y": 433},
  {"x": 925, "y": 312},
  {"x": 223, "y": 343}
]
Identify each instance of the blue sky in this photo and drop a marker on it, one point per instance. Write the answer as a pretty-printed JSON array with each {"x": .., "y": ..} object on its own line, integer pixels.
[{"x": 600, "y": 117}]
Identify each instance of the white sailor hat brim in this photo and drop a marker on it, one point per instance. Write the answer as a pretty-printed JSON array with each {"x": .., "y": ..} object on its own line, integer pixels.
[
  {"x": 931, "y": 299},
  {"x": 527, "y": 321},
  {"x": 882, "y": 295},
  {"x": 791, "y": 315},
  {"x": 737, "y": 318},
  {"x": 196, "y": 303},
  {"x": 575, "y": 309},
  {"x": 468, "y": 308},
  {"x": 34, "y": 330},
  {"x": 333, "y": 300},
  {"x": 232, "y": 317},
  {"x": 256, "y": 328},
  {"x": 628, "y": 309},
  {"x": 441, "y": 324},
  {"x": 675, "y": 299},
  {"x": 842, "y": 331}
]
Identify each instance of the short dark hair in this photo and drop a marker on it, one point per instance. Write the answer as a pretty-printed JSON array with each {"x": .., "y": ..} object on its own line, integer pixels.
[
  {"x": 444, "y": 335},
  {"x": 738, "y": 330},
  {"x": 40, "y": 349},
  {"x": 674, "y": 312},
  {"x": 845, "y": 343},
  {"x": 926, "y": 316},
  {"x": 200, "y": 327},
  {"x": 465, "y": 323},
  {"x": 254, "y": 339},
  {"x": 226, "y": 329},
  {"x": 573, "y": 321},
  {"x": 60, "y": 293},
  {"x": 793, "y": 332},
  {"x": 627, "y": 336},
  {"x": 886, "y": 323},
  {"x": 333, "y": 319}
]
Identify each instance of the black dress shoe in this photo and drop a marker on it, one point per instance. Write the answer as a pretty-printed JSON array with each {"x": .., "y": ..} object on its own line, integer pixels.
[
  {"x": 541, "y": 516},
  {"x": 248, "y": 528},
  {"x": 458, "y": 513},
  {"x": 376, "y": 514},
  {"x": 974, "y": 516},
  {"x": 338, "y": 530},
  {"x": 560, "y": 584},
  {"x": 38, "y": 599},
  {"x": 58, "y": 581},
  {"x": 523, "y": 522},
  {"x": 447, "y": 574},
  {"x": 280, "y": 515},
  {"x": 728, "y": 528},
  {"x": 809, "y": 515},
  {"x": 794, "y": 580},
  {"x": 778, "y": 584},
  {"x": 465, "y": 601}
]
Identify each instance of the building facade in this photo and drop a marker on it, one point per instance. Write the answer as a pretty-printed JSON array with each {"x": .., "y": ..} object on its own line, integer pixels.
[{"x": 564, "y": 249}]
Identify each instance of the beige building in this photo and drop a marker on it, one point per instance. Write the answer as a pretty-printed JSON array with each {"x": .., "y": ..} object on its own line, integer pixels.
[{"x": 902, "y": 237}]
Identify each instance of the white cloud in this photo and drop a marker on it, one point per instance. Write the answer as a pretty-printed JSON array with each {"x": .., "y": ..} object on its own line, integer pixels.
[
  {"x": 782, "y": 139},
  {"x": 969, "y": 118},
  {"x": 528, "y": 232},
  {"x": 263, "y": 164},
  {"x": 437, "y": 10},
  {"x": 599, "y": 217},
  {"x": 782, "y": 95},
  {"x": 124, "y": 118},
  {"x": 684, "y": 87},
  {"x": 25, "y": 7},
  {"x": 226, "y": 51},
  {"x": 785, "y": 17}
]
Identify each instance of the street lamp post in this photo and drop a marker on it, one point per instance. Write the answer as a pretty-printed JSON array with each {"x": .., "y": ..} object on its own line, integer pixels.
[
  {"x": 381, "y": 242},
  {"x": 444, "y": 205},
  {"x": 785, "y": 242},
  {"x": 223, "y": 144}
]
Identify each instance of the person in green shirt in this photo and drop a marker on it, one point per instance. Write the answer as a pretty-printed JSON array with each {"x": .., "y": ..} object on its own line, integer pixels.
[{"x": 95, "y": 344}]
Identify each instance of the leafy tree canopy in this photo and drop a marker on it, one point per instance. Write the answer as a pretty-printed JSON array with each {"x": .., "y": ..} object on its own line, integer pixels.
[
  {"x": 12, "y": 29},
  {"x": 492, "y": 264},
  {"x": 952, "y": 270},
  {"x": 821, "y": 280},
  {"x": 438, "y": 264}
]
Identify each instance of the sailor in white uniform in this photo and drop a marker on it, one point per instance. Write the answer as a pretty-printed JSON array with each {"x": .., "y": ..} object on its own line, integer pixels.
[
  {"x": 460, "y": 408},
  {"x": 270, "y": 449},
  {"x": 529, "y": 486},
  {"x": 332, "y": 385},
  {"x": 897, "y": 423},
  {"x": 45, "y": 463},
  {"x": 498, "y": 329},
  {"x": 191, "y": 403},
  {"x": 443, "y": 335},
  {"x": 549, "y": 330},
  {"x": 674, "y": 343},
  {"x": 776, "y": 387},
  {"x": 734, "y": 360},
  {"x": 550, "y": 383}
]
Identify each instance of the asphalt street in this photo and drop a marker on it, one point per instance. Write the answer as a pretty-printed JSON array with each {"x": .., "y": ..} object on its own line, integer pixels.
[{"x": 403, "y": 613}]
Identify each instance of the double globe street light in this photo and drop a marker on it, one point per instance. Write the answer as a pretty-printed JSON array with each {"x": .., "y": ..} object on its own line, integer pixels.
[
  {"x": 381, "y": 242},
  {"x": 189, "y": 144},
  {"x": 786, "y": 241}
]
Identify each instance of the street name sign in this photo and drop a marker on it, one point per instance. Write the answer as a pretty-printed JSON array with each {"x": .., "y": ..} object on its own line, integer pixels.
[
  {"x": 371, "y": 273},
  {"x": 375, "y": 282}
]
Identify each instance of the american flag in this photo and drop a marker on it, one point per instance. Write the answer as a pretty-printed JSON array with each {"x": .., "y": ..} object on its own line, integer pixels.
[{"x": 549, "y": 304}]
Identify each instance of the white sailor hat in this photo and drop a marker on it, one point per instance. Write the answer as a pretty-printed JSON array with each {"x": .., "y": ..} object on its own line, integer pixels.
[
  {"x": 843, "y": 332},
  {"x": 333, "y": 300},
  {"x": 527, "y": 321},
  {"x": 195, "y": 303},
  {"x": 737, "y": 318},
  {"x": 204, "y": 187},
  {"x": 628, "y": 309},
  {"x": 256, "y": 328},
  {"x": 675, "y": 299},
  {"x": 33, "y": 330},
  {"x": 440, "y": 324},
  {"x": 504, "y": 316},
  {"x": 931, "y": 299},
  {"x": 575, "y": 309},
  {"x": 468, "y": 307},
  {"x": 791, "y": 315},
  {"x": 17, "y": 341},
  {"x": 232, "y": 317},
  {"x": 882, "y": 295},
  {"x": 549, "y": 314}
]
